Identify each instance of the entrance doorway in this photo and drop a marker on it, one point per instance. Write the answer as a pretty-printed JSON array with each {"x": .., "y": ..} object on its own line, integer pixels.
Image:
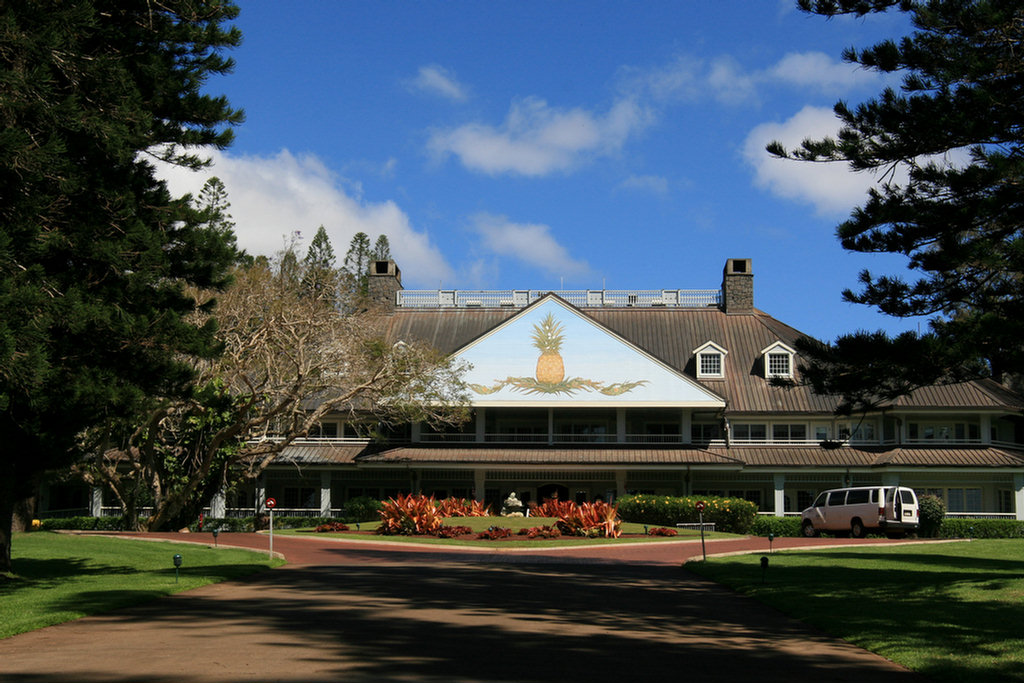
[{"x": 553, "y": 491}]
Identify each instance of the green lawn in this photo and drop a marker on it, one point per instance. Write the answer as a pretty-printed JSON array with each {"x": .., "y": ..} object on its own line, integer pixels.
[
  {"x": 478, "y": 524},
  {"x": 952, "y": 611},
  {"x": 60, "y": 577}
]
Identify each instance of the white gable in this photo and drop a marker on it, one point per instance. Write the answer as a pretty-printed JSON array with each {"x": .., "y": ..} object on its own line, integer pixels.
[{"x": 599, "y": 368}]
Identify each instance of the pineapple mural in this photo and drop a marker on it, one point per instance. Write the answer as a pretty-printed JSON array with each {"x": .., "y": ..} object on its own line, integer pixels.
[{"x": 548, "y": 337}]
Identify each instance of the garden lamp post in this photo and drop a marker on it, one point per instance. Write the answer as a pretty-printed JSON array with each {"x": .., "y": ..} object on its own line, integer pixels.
[{"x": 177, "y": 565}]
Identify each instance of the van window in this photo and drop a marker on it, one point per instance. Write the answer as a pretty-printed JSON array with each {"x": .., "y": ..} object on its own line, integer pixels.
[
  {"x": 836, "y": 498},
  {"x": 907, "y": 495},
  {"x": 874, "y": 495},
  {"x": 857, "y": 496},
  {"x": 820, "y": 500}
]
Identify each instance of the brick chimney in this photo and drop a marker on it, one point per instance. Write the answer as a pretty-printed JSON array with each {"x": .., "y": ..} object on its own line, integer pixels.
[
  {"x": 384, "y": 281},
  {"x": 737, "y": 286}
]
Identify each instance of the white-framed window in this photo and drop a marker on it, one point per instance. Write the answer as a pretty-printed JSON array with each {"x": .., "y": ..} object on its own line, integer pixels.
[
  {"x": 710, "y": 360},
  {"x": 785, "y": 433},
  {"x": 778, "y": 360},
  {"x": 749, "y": 432}
]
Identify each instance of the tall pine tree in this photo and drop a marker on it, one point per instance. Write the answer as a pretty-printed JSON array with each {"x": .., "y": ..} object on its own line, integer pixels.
[
  {"x": 95, "y": 253},
  {"x": 950, "y": 145}
]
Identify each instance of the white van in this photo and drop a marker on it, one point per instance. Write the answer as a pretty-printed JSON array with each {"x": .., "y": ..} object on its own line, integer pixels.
[{"x": 888, "y": 509}]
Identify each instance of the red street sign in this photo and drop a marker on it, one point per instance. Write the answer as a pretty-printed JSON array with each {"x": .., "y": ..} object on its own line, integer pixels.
[
  {"x": 271, "y": 503},
  {"x": 700, "y": 505}
]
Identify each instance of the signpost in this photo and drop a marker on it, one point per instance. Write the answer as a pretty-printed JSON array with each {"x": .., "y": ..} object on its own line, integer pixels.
[
  {"x": 700, "y": 505},
  {"x": 271, "y": 504}
]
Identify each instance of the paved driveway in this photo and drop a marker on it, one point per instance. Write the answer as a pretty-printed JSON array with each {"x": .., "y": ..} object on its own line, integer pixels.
[{"x": 358, "y": 613}]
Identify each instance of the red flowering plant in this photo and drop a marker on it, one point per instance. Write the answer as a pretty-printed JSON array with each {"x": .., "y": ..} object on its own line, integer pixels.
[
  {"x": 494, "y": 533},
  {"x": 409, "y": 515},
  {"x": 332, "y": 526}
]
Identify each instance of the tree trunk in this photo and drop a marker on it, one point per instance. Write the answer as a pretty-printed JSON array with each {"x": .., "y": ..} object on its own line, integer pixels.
[
  {"x": 23, "y": 514},
  {"x": 7, "y": 502}
]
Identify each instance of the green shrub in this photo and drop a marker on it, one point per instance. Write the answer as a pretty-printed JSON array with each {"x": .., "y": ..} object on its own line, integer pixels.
[
  {"x": 83, "y": 524},
  {"x": 361, "y": 509},
  {"x": 780, "y": 526},
  {"x": 932, "y": 511},
  {"x": 733, "y": 515},
  {"x": 981, "y": 528}
]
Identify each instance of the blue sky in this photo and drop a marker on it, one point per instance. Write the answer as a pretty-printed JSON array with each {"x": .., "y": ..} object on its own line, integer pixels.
[{"x": 548, "y": 145}]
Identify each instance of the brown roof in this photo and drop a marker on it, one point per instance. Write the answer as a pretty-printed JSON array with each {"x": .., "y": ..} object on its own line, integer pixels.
[
  {"x": 321, "y": 453},
  {"x": 550, "y": 456},
  {"x": 749, "y": 456},
  {"x": 671, "y": 335}
]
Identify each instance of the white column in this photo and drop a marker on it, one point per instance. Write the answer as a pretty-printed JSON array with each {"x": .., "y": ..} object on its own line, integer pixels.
[
  {"x": 780, "y": 495},
  {"x": 261, "y": 494},
  {"x": 685, "y": 426},
  {"x": 481, "y": 425},
  {"x": 620, "y": 425},
  {"x": 551, "y": 426},
  {"x": 325, "y": 493},
  {"x": 96, "y": 501},
  {"x": 620, "y": 483},
  {"x": 986, "y": 429},
  {"x": 1018, "y": 495},
  {"x": 414, "y": 432},
  {"x": 479, "y": 481},
  {"x": 218, "y": 505}
]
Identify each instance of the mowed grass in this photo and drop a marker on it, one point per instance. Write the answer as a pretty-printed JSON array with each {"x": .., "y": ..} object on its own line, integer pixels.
[
  {"x": 952, "y": 611},
  {"x": 60, "y": 577},
  {"x": 478, "y": 524}
]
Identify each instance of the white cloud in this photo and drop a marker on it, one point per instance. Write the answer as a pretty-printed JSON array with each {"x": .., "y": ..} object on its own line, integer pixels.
[
  {"x": 830, "y": 187},
  {"x": 271, "y": 197},
  {"x": 529, "y": 243},
  {"x": 537, "y": 139},
  {"x": 818, "y": 70},
  {"x": 728, "y": 82},
  {"x": 437, "y": 80}
]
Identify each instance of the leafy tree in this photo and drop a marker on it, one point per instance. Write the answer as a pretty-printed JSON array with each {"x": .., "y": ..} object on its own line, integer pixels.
[
  {"x": 949, "y": 147},
  {"x": 289, "y": 360},
  {"x": 95, "y": 253}
]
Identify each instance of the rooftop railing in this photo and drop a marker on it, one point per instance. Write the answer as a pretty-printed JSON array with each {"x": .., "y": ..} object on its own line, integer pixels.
[{"x": 582, "y": 298}]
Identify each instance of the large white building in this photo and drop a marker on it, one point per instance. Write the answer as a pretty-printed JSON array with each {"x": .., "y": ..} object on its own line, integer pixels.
[{"x": 593, "y": 394}]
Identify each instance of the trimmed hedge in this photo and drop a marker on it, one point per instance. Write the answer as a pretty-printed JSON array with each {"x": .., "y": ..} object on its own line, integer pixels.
[
  {"x": 83, "y": 524},
  {"x": 733, "y": 515},
  {"x": 780, "y": 526},
  {"x": 981, "y": 528}
]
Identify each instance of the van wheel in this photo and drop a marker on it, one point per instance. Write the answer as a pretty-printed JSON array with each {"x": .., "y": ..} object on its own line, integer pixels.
[
  {"x": 857, "y": 529},
  {"x": 809, "y": 530}
]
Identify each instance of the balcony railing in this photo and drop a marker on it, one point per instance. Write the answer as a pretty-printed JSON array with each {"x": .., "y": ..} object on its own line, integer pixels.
[{"x": 519, "y": 298}]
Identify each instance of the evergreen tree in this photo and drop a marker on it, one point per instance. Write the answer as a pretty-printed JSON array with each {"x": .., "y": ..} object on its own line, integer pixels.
[
  {"x": 950, "y": 146},
  {"x": 94, "y": 251},
  {"x": 382, "y": 249},
  {"x": 356, "y": 267},
  {"x": 319, "y": 276}
]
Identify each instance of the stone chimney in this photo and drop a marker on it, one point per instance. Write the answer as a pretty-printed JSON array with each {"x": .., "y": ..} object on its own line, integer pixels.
[
  {"x": 385, "y": 280},
  {"x": 737, "y": 286}
]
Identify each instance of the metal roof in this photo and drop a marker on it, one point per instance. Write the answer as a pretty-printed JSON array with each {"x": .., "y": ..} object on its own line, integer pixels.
[{"x": 671, "y": 335}]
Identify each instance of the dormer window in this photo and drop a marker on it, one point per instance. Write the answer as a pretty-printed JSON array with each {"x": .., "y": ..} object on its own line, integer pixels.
[
  {"x": 710, "y": 361},
  {"x": 778, "y": 360}
]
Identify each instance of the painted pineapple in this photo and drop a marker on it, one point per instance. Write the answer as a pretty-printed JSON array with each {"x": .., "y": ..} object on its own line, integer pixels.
[{"x": 547, "y": 337}]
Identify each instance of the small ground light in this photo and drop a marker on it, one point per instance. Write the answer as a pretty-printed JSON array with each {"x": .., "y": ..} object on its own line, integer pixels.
[
  {"x": 216, "y": 532},
  {"x": 177, "y": 564},
  {"x": 771, "y": 537},
  {"x": 764, "y": 567}
]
